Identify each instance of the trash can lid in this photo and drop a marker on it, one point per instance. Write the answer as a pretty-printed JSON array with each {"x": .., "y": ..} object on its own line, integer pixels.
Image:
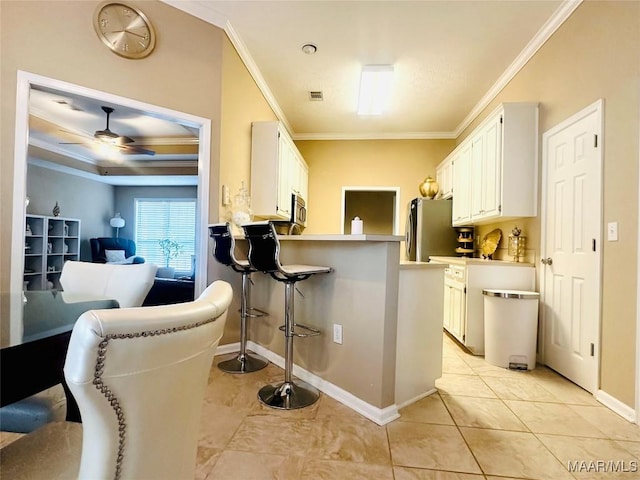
[{"x": 521, "y": 294}]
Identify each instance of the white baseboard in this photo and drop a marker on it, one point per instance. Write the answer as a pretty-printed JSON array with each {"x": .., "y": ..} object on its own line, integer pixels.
[
  {"x": 228, "y": 348},
  {"x": 415, "y": 399},
  {"x": 375, "y": 414},
  {"x": 616, "y": 405}
]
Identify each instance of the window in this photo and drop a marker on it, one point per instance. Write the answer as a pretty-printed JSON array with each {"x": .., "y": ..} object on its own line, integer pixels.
[{"x": 175, "y": 219}]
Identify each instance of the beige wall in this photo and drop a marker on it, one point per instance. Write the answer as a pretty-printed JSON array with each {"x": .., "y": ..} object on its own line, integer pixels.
[
  {"x": 378, "y": 163},
  {"x": 593, "y": 55},
  {"x": 242, "y": 103},
  {"x": 57, "y": 40}
]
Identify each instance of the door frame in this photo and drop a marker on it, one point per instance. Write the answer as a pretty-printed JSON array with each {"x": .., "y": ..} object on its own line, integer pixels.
[
  {"x": 637, "y": 406},
  {"x": 24, "y": 82},
  {"x": 596, "y": 107}
]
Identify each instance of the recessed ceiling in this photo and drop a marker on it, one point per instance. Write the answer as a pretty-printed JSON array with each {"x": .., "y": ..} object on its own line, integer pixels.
[{"x": 62, "y": 128}]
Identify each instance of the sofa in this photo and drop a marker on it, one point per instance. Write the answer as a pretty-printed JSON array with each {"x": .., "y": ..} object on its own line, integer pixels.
[{"x": 103, "y": 247}]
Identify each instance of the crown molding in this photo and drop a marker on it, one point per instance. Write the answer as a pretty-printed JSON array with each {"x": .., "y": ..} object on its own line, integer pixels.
[
  {"x": 563, "y": 12},
  {"x": 376, "y": 136}
]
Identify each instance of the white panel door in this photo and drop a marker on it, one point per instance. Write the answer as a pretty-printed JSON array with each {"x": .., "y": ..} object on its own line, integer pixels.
[{"x": 572, "y": 218}]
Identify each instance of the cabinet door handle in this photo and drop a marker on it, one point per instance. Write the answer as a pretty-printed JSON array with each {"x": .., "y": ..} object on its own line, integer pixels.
[{"x": 547, "y": 261}]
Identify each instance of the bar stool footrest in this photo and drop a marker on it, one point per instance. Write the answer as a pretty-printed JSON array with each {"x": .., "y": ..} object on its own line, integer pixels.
[
  {"x": 311, "y": 332},
  {"x": 288, "y": 395},
  {"x": 258, "y": 313}
]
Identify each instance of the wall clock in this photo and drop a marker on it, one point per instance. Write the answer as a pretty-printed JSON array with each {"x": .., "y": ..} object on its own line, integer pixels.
[{"x": 124, "y": 29}]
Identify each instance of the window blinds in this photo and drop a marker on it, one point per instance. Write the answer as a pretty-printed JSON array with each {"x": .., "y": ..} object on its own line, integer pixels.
[{"x": 157, "y": 219}]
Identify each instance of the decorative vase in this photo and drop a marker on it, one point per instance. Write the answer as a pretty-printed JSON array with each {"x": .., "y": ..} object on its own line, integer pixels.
[
  {"x": 429, "y": 188},
  {"x": 56, "y": 210}
]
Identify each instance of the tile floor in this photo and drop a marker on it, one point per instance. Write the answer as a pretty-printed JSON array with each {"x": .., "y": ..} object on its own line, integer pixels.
[{"x": 484, "y": 423}]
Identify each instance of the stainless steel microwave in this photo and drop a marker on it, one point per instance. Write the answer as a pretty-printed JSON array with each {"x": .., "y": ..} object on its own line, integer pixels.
[{"x": 298, "y": 210}]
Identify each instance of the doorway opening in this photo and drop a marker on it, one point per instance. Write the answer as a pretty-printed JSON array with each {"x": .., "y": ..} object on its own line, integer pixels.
[{"x": 377, "y": 207}]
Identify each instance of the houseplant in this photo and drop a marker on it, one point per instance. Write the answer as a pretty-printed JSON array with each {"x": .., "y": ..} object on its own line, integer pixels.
[{"x": 170, "y": 249}]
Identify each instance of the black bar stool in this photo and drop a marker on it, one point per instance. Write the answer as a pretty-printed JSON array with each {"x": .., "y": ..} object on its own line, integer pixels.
[
  {"x": 264, "y": 256},
  {"x": 224, "y": 252}
]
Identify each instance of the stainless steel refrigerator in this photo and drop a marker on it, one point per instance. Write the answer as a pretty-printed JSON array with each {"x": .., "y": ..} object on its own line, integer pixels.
[{"x": 428, "y": 230}]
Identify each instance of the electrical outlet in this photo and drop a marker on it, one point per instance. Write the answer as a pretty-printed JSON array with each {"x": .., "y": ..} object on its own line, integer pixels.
[
  {"x": 612, "y": 231},
  {"x": 337, "y": 333}
]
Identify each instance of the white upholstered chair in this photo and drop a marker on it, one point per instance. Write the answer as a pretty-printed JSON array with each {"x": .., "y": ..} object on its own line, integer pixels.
[
  {"x": 139, "y": 376},
  {"x": 128, "y": 284}
]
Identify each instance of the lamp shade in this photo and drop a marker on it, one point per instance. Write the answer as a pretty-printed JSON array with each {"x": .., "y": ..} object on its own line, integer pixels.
[{"x": 117, "y": 221}]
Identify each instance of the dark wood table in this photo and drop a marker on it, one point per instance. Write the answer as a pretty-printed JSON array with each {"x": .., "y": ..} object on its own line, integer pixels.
[
  {"x": 36, "y": 362},
  {"x": 166, "y": 291}
]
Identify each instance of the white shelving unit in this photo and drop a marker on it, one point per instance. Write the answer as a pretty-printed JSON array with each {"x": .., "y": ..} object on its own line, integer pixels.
[{"x": 49, "y": 242}]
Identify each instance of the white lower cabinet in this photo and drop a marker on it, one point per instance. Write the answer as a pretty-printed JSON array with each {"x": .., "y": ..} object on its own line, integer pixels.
[{"x": 463, "y": 315}]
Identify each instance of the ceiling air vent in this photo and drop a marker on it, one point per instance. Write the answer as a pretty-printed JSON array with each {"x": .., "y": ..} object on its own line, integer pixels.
[{"x": 315, "y": 96}]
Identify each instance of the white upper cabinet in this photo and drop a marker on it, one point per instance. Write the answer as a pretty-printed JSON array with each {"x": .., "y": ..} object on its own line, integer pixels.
[
  {"x": 277, "y": 171},
  {"x": 444, "y": 177},
  {"x": 500, "y": 168},
  {"x": 461, "y": 207},
  {"x": 486, "y": 167}
]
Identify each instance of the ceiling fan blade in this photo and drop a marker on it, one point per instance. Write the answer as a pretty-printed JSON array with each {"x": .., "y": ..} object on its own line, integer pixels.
[
  {"x": 133, "y": 150},
  {"x": 124, "y": 140}
]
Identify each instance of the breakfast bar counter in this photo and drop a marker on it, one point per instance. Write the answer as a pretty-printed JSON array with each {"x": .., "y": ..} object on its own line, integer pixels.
[{"x": 390, "y": 313}]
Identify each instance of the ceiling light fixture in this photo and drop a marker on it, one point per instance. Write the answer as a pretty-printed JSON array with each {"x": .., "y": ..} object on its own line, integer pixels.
[
  {"x": 309, "y": 48},
  {"x": 375, "y": 89}
]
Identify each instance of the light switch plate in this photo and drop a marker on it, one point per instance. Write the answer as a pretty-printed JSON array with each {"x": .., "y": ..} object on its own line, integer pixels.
[
  {"x": 337, "y": 333},
  {"x": 612, "y": 231},
  {"x": 226, "y": 197}
]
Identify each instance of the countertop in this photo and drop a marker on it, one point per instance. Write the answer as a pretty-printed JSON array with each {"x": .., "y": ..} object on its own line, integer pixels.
[
  {"x": 343, "y": 238},
  {"x": 408, "y": 264},
  {"x": 478, "y": 261},
  {"x": 331, "y": 237}
]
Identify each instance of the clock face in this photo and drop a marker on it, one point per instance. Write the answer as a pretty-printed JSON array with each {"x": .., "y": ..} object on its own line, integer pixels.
[{"x": 125, "y": 30}]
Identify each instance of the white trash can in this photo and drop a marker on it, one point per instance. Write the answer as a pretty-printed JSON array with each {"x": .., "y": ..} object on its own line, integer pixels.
[{"x": 510, "y": 328}]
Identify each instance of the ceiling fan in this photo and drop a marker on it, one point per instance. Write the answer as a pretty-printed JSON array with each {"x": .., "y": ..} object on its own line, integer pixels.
[{"x": 121, "y": 142}]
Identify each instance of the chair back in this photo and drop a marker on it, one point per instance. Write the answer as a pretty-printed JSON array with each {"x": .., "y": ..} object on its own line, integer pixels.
[
  {"x": 139, "y": 376},
  {"x": 264, "y": 247},
  {"x": 224, "y": 244},
  {"x": 128, "y": 284}
]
